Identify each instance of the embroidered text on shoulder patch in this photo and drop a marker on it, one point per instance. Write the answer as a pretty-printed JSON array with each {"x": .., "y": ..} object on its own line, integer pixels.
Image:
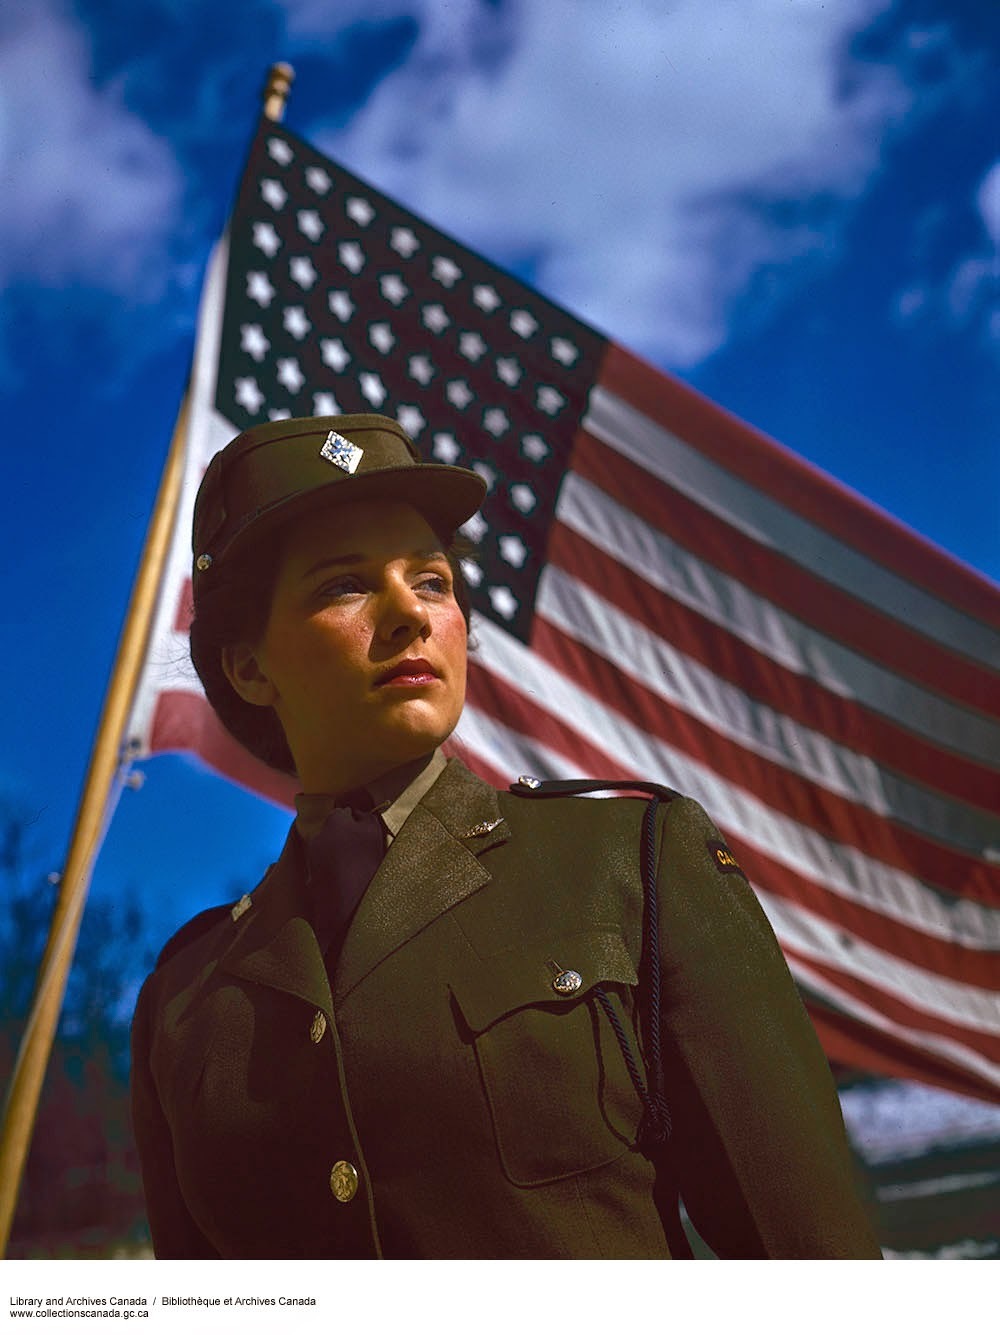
[{"x": 723, "y": 858}]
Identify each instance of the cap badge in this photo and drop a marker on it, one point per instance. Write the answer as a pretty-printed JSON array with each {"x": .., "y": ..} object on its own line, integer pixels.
[{"x": 336, "y": 450}]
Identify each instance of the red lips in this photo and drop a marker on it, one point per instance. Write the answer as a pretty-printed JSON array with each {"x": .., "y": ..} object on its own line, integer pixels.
[{"x": 411, "y": 671}]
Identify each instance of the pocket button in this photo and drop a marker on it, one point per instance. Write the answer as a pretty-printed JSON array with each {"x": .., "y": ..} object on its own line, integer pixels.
[{"x": 567, "y": 982}]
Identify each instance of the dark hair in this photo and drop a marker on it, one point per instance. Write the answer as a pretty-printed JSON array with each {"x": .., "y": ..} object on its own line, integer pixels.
[{"x": 235, "y": 609}]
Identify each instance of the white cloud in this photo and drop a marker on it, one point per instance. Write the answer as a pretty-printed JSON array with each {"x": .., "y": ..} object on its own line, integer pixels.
[
  {"x": 634, "y": 154},
  {"x": 90, "y": 193}
]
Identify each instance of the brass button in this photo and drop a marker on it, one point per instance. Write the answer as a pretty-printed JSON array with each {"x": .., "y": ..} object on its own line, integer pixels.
[
  {"x": 318, "y": 1027},
  {"x": 343, "y": 1181},
  {"x": 567, "y": 982}
]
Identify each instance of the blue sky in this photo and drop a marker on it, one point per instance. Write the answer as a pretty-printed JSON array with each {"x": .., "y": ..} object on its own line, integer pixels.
[{"x": 794, "y": 206}]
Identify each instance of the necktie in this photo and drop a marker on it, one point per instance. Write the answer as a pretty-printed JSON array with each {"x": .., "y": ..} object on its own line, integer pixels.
[{"x": 342, "y": 859}]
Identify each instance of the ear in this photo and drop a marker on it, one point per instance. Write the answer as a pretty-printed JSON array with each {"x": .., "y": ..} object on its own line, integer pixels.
[{"x": 245, "y": 675}]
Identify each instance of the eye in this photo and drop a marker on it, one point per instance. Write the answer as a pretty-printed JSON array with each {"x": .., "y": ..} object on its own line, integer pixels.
[
  {"x": 434, "y": 583},
  {"x": 340, "y": 587}
]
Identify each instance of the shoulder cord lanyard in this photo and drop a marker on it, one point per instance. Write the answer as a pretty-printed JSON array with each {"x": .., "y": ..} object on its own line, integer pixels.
[{"x": 654, "y": 1130}]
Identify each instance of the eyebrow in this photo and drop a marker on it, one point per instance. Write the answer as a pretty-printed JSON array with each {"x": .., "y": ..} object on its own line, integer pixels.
[{"x": 359, "y": 558}]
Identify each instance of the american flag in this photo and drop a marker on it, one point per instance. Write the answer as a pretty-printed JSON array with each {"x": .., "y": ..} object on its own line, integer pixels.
[{"x": 660, "y": 592}]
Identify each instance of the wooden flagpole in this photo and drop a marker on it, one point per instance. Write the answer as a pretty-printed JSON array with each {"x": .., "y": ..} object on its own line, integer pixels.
[{"x": 24, "y": 1091}]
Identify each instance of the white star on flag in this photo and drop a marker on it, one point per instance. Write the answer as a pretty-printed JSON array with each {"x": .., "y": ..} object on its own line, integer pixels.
[
  {"x": 252, "y": 340},
  {"x": 534, "y": 448},
  {"x": 265, "y": 238},
  {"x": 486, "y": 297},
  {"x": 459, "y": 393},
  {"x": 446, "y": 447},
  {"x": 509, "y": 371},
  {"x": 280, "y": 151},
  {"x": 381, "y": 337},
  {"x": 360, "y": 211},
  {"x": 341, "y": 305},
  {"x": 259, "y": 288},
  {"x": 523, "y": 497},
  {"x": 404, "y": 242},
  {"x": 445, "y": 270},
  {"x": 278, "y": 414},
  {"x": 564, "y": 351},
  {"x": 487, "y": 473},
  {"x": 325, "y": 405},
  {"x": 393, "y": 288},
  {"x": 273, "y": 193},
  {"x": 296, "y": 322},
  {"x": 496, "y": 421},
  {"x": 302, "y": 272},
  {"x": 290, "y": 374},
  {"x": 523, "y": 323},
  {"x": 351, "y": 256},
  {"x": 472, "y": 571},
  {"x": 310, "y": 224},
  {"x": 549, "y": 399},
  {"x": 435, "y": 318},
  {"x": 319, "y": 180},
  {"x": 476, "y": 528},
  {"x": 420, "y": 369},
  {"x": 471, "y": 345},
  {"x": 513, "y": 550},
  {"x": 503, "y": 601},
  {"x": 248, "y": 394},
  {"x": 334, "y": 354},
  {"x": 372, "y": 388},
  {"x": 411, "y": 419}
]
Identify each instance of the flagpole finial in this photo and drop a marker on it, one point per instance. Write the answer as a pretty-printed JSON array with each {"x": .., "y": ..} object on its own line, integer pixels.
[{"x": 279, "y": 82}]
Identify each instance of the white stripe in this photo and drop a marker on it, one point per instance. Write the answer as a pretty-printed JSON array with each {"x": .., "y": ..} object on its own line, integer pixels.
[
  {"x": 936, "y": 1186},
  {"x": 512, "y": 753},
  {"x": 949, "y": 1048},
  {"x": 753, "y": 512},
  {"x": 655, "y": 558},
  {"x": 837, "y": 867},
  {"x": 634, "y": 651}
]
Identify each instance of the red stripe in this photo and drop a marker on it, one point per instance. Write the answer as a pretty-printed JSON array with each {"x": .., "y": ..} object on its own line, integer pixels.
[
  {"x": 799, "y": 486},
  {"x": 781, "y": 581},
  {"x": 499, "y": 700},
  {"x": 800, "y": 698},
  {"x": 183, "y": 721},
  {"x": 901, "y": 1012},
  {"x": 835, "y": 817},
  {"x": 859, "y": 1046}
]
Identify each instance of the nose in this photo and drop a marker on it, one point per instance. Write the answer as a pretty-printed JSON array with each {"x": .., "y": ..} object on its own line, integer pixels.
[{"x": 402, "y": 616}]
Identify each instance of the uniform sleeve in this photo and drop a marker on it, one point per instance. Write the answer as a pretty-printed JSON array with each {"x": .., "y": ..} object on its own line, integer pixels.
[
  {"x": 175, "y": 1234},
  {"x": 758, "y": 1137}
]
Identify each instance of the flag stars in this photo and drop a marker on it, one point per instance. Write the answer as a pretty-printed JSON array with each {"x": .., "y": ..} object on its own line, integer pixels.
[
  {"x": 564, "y": 351},
  {"x": 404, "y": 242},
  {"x": 459, "y": 394},
  {"x": 381, "y": 337},
  {"x": 252, "y": 340},
  {"x": 341, "y": 306},
  {"x": 509, "y": 370},
  {"x": 352, "y": 257},
  {"x": 302, "y": 271},
  {"x": 523, "y": 497},
  {"x": 471, "y": 345},
  {"x": 278, "y": 414},
  {"x": 435, "y": 318},
  {"x": 549, "y": 399},
  {"x": 513, "y": 550},
  {"x": 496, "y": 422},
  {"x": 259, "y": 288},
  {"x": 393, "y": 288},
  {"x": 487, "y": 473},
  {"x": 265, "y": 238},
  {"x": 445, "y": 447},
  {"x": 445, "y": 270},
  {"x": 325, "y": 405},
  {"x": 372, "y": 388},
  {"x": 310, "y": 224},
  {"x": 248, "y": 394},
  {"x": 334, "y": 354},
  {"x": 359, "y": 210},
  {"x": 296, "y": 322},
  {"x": 421, "y": 369},
  {"x": 411, "y": 419},
  {"x": 290, "y": 374},
  {"x": 486, "y": 297},
  {"x": 273, "y": 193},
  {"x": 523, "y": 323},
  {"x": 533, "y": 447},
  {"x": 503, "y": 601},
  {"x": 318, "y": 180},
  {"x": 472, "y": 571},
  {"x": 280, "y": 151},
  {"x": 476, "y": 528}
]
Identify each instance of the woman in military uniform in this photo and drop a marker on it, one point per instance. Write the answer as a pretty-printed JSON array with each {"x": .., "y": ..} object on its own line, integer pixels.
[{"x": 451, "y": 1021}]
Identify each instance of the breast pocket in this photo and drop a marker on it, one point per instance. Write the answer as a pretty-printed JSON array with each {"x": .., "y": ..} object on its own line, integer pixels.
[{"x": 559, "y": 1093}]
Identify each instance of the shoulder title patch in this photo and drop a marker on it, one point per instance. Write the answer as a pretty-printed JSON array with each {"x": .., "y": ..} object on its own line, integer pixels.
[{"x": 723, "y": 858}]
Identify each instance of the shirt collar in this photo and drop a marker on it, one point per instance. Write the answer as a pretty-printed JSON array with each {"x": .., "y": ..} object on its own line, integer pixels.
[{"x": 393, "y": 796}]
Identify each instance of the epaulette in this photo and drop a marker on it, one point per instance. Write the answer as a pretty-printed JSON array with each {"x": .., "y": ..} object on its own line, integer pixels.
[
  {"x": 527, "y": 786},
  {"x": 191, "y": 930}
]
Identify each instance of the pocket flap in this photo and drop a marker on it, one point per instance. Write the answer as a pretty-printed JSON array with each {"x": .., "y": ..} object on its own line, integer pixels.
[{"x": 488, "y": 989}]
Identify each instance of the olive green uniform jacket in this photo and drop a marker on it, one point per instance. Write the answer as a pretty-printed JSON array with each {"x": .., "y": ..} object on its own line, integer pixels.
[{"x": 484, "y": 1114}]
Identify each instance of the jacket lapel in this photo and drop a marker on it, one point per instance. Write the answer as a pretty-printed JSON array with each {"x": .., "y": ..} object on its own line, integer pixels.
[
  {"x": 430, "y": 866},
  {"x": 275, "y": 944}
]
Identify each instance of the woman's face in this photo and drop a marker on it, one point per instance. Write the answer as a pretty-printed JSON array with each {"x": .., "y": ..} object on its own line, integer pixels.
[{"x": 363, "y": 657}]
